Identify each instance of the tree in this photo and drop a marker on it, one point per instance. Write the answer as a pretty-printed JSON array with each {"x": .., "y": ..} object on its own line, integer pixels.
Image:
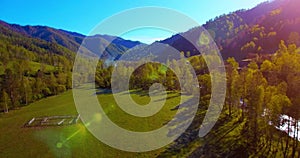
[
  {"x": 5, "y": 101},
  {"x": 255, "y": 85},
  {"x": 277, "y": 103},
  {"x": 233, "y": 92},
  {"x": 205, "y": 84},
  {"x": 188, "y": 82},
  {"x": 11, "y": 85},
  {"x": 26, "y": 90},
  {"x": 38, "y": 87},
  {"x": 170, "y": 80},
  {"x": 52, "y": 83},
  {"x": 268, "y": 70}
]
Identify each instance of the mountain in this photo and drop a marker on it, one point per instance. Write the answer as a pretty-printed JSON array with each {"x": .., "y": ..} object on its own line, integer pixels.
[
  {"x": 72, "y": 40},
  {"x": 15, "y": 44},
  {"x": 245, "y": 33},
  {"x": 280, "y": 21},
  {"x": 241, "y": 34},
  {"x": 109, "y": 47},
  {"x": 67, "y": 39}
]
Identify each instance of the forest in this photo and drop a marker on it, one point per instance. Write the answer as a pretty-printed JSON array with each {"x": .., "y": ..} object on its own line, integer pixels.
[
  {"x": 258, "y": 96},
  {"x": 261, "y": 52}
]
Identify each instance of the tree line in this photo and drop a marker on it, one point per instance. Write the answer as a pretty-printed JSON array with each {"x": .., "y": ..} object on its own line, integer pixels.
[{"x": 147, "y": 74}]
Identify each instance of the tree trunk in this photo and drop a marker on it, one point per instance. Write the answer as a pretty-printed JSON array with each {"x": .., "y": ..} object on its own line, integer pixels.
[
  {"x": 230, "y": 105},
  {"x": 270, "y": 140},
  {"x": 26, "y": 99},
  {"x": 6, "y": 108},
  {"x": 294, "y": 143},
  {"x": 287, "y": 140}
]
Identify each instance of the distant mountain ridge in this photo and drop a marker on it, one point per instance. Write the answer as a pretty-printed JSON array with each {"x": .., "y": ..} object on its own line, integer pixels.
[
  {"x": 240, "y": 34},
  {"x": 72, "y": 40}
]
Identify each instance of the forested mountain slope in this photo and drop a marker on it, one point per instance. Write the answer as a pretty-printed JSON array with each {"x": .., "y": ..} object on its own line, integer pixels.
[{"x": 247, "y": 33}]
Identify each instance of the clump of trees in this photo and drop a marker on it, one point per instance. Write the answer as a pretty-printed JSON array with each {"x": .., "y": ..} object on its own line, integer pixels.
[
  {"x": 169, "y": 74},
  {"x": 19, "y": 87}
]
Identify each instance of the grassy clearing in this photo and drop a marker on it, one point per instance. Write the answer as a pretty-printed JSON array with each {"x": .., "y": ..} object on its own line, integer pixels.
[
  {"x": 74, "y": 140},
  {"x": 34, "y": 66},
  {"x": 37, "y": 66}
]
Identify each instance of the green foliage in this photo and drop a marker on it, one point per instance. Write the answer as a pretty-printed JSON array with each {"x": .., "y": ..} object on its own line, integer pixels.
[
  {"x": 31, "y": 69},
  {"x": 147, "y": 74},
  {"x": 257, "y": 96}
]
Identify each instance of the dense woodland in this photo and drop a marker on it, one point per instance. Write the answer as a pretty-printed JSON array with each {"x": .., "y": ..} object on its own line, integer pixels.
[
  {"x": 258, "y": 95},
  {"x": 261, "y": 51},
  {"x": 31, "y": 69}
]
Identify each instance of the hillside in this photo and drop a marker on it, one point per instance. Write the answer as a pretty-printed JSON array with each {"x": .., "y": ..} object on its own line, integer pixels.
[
  {"x": 71, "y": 40},
  {"x": 240, "y": 34},
  {"x": 244, "y": 33},
  {"x": 37, "y": 61}
]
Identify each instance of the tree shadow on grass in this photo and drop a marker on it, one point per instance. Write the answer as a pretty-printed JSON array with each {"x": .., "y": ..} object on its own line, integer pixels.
[
  {"x": 139, "y": 92},
  {"x": 142, "y": 92},
  {"x": 212, "y": 145},
  {"x": 103, "y": 91},
  {"x": 170, "y": 97}
]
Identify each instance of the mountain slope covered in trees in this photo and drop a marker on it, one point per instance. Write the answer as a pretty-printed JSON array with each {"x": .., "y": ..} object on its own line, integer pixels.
[
  {"x": 37, "y": 61},
  {"x": 71, "y": 40},
  {"x": 241, "y": 34},
  {"x": 247, "y": 33}
]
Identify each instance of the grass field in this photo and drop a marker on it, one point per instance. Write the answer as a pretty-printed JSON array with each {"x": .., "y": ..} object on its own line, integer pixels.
[{"x": 74, "y": 140}]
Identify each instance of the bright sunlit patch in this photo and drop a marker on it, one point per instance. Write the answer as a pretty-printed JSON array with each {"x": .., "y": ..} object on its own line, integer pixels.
[
  {"x": 163, "y": 69},
  {"x": 59, "y": 144},
  {"x": 72, "y": 135},
  {"x": 153, "y": 76},
  {"x": 97, "y": 117},
  {"x": 203, "y": 39},
  {"x": 147, "y": 35},
  {"x": 212, "y": 33}
]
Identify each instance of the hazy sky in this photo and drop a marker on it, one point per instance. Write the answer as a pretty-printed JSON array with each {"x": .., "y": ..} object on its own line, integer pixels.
[{"x": 83, "y": 15}]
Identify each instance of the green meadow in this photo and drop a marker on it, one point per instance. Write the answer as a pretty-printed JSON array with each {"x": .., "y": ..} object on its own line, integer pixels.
[{"x": 74, "y": 140}]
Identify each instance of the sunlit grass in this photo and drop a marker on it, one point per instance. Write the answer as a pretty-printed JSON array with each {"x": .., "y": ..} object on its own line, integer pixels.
[
  {"x": 74, "y": 140},
  {"x": 130, "y": 122}
]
